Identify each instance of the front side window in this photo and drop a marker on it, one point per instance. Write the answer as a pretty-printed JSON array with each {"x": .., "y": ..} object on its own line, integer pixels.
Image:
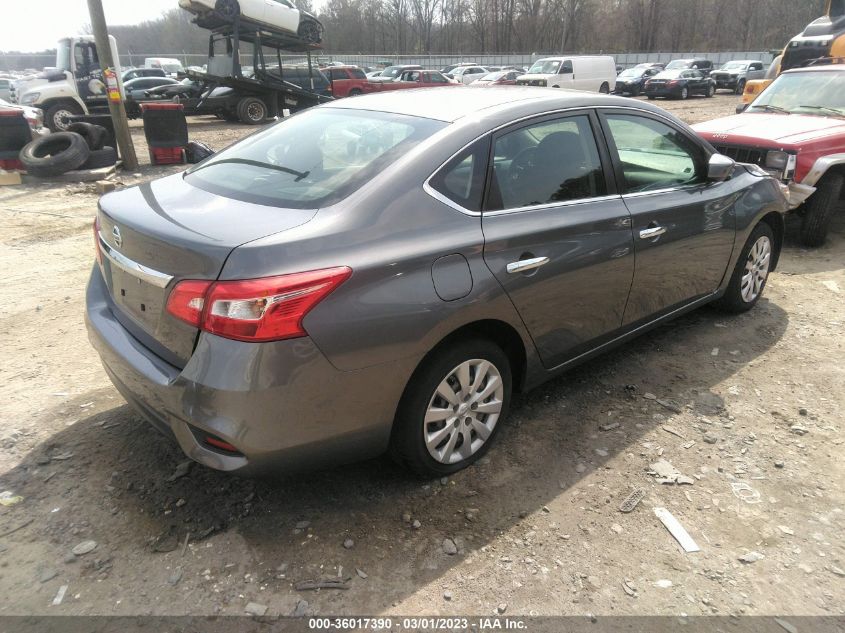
[
  {"x": 546, "y": 162},
  {"x": 653, "y": 155},
  {"x": 566, "y": 68},
  {"x": 313, "y": 159}
]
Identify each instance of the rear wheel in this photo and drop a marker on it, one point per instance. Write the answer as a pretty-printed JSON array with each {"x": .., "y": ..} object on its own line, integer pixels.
[
  {"x": 605, "y": 88},
  {"x": 354, "y": 92},
  {"x": 711, "y": 90},
  {"x": 452, "y": 408},
  {"x": 684, "y": 93},
  {"x": 740, "y": 87},
  {"x": 252, "y": 111},
  {"x": 751, "y": 272},
  {"x": 819, "y": 209}
]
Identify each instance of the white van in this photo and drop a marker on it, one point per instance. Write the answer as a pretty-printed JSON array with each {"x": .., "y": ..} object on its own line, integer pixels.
[
  {"x": 594, "y": 72},
  {"x": 169, "y": 65}
]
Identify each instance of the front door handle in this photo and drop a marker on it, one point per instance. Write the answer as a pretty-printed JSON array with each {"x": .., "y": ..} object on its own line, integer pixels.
[
  {"x": 654, "y": 231},
  {"x": 524, "y": 265}
]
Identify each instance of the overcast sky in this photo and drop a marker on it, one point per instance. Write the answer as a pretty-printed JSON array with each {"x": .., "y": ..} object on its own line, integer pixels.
[{"x": 33, "y": 26}]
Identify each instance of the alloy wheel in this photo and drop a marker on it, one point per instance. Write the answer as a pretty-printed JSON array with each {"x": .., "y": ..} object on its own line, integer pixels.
[
  {"x": 463, "y": 411},
  {"x": 756, "y": 269}
]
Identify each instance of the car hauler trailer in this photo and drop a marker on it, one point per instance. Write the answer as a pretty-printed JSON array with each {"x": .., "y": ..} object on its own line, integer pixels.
[{"x": 225, "y": 91}]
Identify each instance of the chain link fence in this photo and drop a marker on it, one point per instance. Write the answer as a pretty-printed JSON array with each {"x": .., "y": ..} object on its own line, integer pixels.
[{"x": 626, "y": 60}]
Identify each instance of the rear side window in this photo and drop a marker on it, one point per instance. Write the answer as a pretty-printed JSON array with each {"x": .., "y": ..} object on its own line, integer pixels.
[
  {"x": 461, "y": 180},
  {"x": 358, "y": 74},
  {"x": 313, "y": 159}
]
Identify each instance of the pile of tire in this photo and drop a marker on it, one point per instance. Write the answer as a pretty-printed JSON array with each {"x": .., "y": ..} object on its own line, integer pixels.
[{"x": 80, "y": 147}]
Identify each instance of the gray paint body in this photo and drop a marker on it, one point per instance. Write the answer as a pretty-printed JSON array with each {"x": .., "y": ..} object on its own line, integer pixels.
[{"x": 422, "y": 270}]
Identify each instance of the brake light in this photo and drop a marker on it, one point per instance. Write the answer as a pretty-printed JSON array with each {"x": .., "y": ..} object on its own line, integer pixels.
[
  {"x": 674, "y": 82},
  {"x": 97, "y": 249},
  {"x": 267, "y": 309},
  {"x": 187, "y": 301}
]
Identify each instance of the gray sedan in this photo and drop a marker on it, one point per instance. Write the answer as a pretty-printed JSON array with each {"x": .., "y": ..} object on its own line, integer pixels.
[{"x": 383, "y": 273}]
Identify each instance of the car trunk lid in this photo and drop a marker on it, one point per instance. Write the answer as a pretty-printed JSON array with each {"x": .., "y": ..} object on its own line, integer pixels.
[{"x": 159, "y": 233}]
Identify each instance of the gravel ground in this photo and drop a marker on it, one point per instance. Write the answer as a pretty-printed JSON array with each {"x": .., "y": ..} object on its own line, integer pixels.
[{"x": 748, "y": 408}]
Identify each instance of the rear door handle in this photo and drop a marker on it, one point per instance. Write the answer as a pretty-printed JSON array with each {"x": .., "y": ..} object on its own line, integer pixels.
[
  {"x": 654, "y": 231},
  {"x": 524, "y": 265}
]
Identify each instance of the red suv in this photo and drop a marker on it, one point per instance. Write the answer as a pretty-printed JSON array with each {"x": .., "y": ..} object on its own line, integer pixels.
[
  {"x": 795, "y": 130},
  {"x": 348, "y": 81}
]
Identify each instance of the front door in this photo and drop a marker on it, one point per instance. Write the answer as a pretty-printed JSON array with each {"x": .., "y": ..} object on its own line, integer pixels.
[
  {"x": 683, "y": 225},
  {"x": 556, "y": 235}
]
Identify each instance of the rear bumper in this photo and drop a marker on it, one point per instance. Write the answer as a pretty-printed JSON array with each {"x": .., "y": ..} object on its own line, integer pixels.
[
  {"x": 282, "y": 404},
  {"x": 662, "y": 92}
]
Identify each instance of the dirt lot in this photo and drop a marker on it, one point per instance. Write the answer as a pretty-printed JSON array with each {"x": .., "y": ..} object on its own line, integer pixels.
[{"x": 749, "y": 407}]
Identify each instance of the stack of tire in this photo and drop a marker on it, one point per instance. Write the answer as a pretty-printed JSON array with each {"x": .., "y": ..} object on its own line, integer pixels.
[{"x": 81, "y": 146}]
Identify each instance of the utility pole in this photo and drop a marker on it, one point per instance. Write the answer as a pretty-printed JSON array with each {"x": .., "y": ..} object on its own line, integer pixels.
[{"x": 118, "y": 112}]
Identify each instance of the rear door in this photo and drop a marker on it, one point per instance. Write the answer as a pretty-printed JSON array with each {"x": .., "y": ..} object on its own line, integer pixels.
[
  {"x": 280, "y": 13},
  {"x": 683, "y": 225},
  {"x": 557, "y": 236}
]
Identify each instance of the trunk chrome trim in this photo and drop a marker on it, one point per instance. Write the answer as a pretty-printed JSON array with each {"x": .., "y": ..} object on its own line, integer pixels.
[{"x": 150, "y": 275}]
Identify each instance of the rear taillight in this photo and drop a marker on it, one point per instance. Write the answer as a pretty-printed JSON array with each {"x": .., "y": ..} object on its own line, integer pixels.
[
  {"x": 267, "y": 309},
  {"x": 97, "y": 240},
  {"x": 674, "y": 82},
  {"x": 187, "y": 301}
]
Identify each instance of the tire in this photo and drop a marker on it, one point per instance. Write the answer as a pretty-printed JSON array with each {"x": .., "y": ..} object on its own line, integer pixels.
[
  {"x": 750, "y": 269},
  {"x": 684, "y": 93},
  {"x": 740, "y": 87},
  {"x": 354, "y": 92},
  {"x": 94, "y": 135},
  {"x": 252, "y": 111},
  {"x": 605, "y": 88},
  {"x": 55, "y": 154},
  {"x": 636, "y": 91},
  {"x": 408, "y": 440},
  {"x": 650, "y": 97},
  {"x": 228, "y": 10},
  {"x": 55, "y": 113},
  {"x": 310, "y": 30},
  {"x": 711, "y": 91},
  {"x": 105, "y": 157},
  {"x": 819, "y": 209}
]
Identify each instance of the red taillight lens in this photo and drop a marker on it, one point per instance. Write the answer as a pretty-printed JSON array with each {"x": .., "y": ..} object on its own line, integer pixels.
[
  {"x": 674, "y": 82},
  {"x": 187, "y": 301},
  {"x": 267, "y": 309},
  {"x": 97, "y": 240}
]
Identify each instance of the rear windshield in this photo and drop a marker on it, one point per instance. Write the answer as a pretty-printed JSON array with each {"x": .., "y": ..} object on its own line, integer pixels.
[{"x": 313, "y": 159}]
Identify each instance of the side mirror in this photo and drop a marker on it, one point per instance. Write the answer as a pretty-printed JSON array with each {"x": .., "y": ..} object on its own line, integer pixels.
[
  {"x": 720, "y": 167},
  {"x": 742, "y": 107}
]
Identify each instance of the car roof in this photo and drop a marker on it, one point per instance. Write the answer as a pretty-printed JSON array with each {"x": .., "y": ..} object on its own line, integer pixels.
[
  {"x": 452, "y": 105},
  {"x": 815, "y": 69}
]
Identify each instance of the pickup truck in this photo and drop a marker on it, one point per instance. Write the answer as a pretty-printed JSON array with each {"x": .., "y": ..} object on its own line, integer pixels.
[
  {"x": 795, "y": 131},
  {"x": 350, "y": 81}
]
